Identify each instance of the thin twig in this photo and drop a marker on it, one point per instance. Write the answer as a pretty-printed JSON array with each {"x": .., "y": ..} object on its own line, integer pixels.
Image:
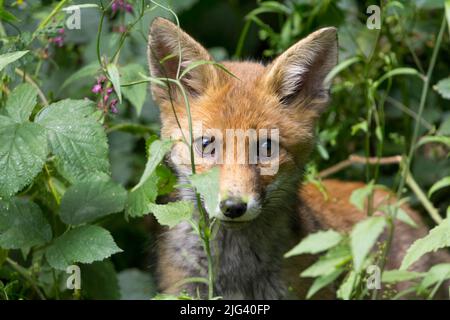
[
  {"x": 355, "y": 159},
  {"x": 28, "y": 79}
]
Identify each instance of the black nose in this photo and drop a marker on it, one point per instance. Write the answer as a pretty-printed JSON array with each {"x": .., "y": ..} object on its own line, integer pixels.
[{"x": 233, "y": 207}]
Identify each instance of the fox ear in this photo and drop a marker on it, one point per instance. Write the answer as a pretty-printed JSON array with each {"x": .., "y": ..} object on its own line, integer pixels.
[
  {"x": 164, "y": 43},
  {"x": 297, "y": 75}
]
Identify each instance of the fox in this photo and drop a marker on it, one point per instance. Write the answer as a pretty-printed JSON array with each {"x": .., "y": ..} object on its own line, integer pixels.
[{"x": 261, "y": 216}]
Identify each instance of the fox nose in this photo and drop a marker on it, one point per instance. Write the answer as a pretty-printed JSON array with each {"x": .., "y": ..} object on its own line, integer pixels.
[{"x": 233, "y": 207}]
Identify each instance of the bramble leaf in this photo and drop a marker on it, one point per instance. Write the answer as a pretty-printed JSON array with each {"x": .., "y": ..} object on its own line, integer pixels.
[
  {"x": 22, "y": 225},
  {"x": 76, "y": 138},
  {"x": 84, "y": 244},
  {"x": 23, "y": 151},
  {"x": 89, "y": 200}
]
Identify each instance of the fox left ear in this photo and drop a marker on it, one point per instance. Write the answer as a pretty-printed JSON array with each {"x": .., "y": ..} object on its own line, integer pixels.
[
  {"x": 297, "y": 75},
  {"x": 165, "y": 43}
]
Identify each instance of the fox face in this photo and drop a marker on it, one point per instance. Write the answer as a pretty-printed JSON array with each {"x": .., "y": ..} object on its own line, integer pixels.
[{"x": 254, "y": 122}]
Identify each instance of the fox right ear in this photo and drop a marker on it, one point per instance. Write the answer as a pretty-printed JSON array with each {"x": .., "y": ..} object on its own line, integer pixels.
[
  {"x": 297, "y": 75},
  {"x": 165, "y": 42}
]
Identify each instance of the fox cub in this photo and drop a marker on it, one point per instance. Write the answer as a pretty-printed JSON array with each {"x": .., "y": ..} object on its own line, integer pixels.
[{"x": 261, "y": 216}]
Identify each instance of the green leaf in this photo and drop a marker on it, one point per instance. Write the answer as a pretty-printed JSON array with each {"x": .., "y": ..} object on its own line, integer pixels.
[
  {"x": 437, "y": 238},
  {"x": 99, "y": 281},
  {"x": 139, "y": 200},
  {"x": 156, "y": 153},
  {"x": 322, "y": 282},
  {"x": 136, "y": 285},
  {"x": 89, "y": 200},
  {"x": 359, "y": 196},
  {"x": 23, "y": 151},
  {"x": 315, "y": 243},
  {"x": 345, "y": 290},
  {"x": 362, "y": 238},
  {"x": 397, "y": 72},
  {"x": 114, "y": 76},
  {"x": 76, "y": 138},
  {"x": 404, "y": 217},
  {"x": 334, "y": 259},
  {"x": 207, "y": 184},
  {"x": 394, "y": 276},
  {"x": 436, "y": 274},
  {"x": 443, "y": 88},
  {"x": 87, "y": 71},
  {"x": 437, "y": 139},
  {"x": 444, "y": 182},
  {"x": 7, "y": 16},
  {"x": 22, "y": 225},
  {"x": 21, "y": 102},
  {"x": 401, "y": 214},
  {"x": 10, "y": 57},
  {"x": 198, "y": 63},
  {"x": 84, "y": 244},
  {"x": 172, "y": 213},
  {"x": 137, "y": 93}
]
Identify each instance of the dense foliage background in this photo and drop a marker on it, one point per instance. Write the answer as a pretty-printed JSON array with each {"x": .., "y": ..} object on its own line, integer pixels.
[{"x": 72, "y": 188}]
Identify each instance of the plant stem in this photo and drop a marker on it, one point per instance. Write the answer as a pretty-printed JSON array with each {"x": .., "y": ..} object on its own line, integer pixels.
[
  {"x": 406, "y": 167},
  {"x": 434, "y": 213},
  {"x": 24, "y": 273}
]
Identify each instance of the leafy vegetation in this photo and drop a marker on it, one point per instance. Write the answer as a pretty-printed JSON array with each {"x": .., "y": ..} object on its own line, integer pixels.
[{"x": 81, "y": 164}]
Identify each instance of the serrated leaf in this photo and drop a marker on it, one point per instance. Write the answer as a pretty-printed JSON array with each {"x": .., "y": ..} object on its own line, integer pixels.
[
  {"x": 114, "y": 76},
  {"x": 99, "y": 281},
  {"x": 89, "y": 200},
  {"x": 136, "y": 285},
  {"x": 84, "y": 244},
  {"x": 139, "y": 200},
  {"x": 207, "y": 184},
  {"x": 156, "y": 152},
  {"x": 362, "y": 238},
  {"x": 394, "y": 276},
  {"x": 443, "y": 88},
  {"x": 322, "y": 282},
  {"x": 22, "y": 225},
  {"x": 76, "y": 138},
  {"x": 137, "y": 93},
  {"x": 437, "y": 238},
  {"x": 21, "y": 102},
  {"x": 172, "y": 213},
  {"x": 315, "y": 243},
  {"x": 443, "y": 183},
  {"x": 23, "y": 151},
  {"x": 10, "y": 57},
  {"x": 334, "y": 259}
]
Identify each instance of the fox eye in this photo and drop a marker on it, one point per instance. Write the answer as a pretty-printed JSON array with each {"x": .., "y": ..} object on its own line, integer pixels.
[
  {"x": 265, "y": 148},
  {"x": 205, "y": 147}
]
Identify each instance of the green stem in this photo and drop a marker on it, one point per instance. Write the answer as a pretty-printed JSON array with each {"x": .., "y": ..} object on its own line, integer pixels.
[
  {"x": 406, "y": 167},
  {"x": 25, "y": 273},
  {"x": 433, "y": 212},
  {"x": 49, "y": 17}
]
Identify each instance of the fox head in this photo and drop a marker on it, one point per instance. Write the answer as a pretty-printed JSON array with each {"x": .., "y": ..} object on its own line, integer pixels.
[{"x": 269, "y": 110}]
